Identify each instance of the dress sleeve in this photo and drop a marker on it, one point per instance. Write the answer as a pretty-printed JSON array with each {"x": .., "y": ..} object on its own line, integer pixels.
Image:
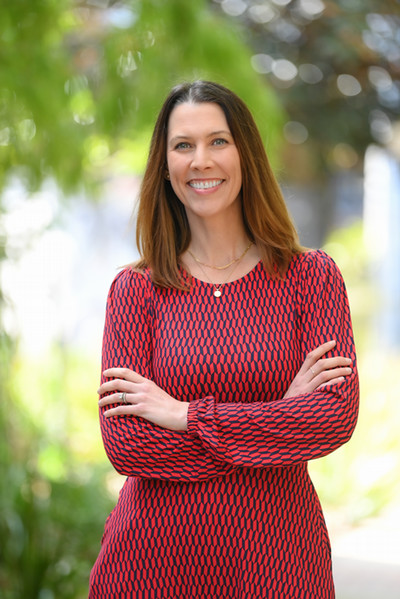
[
  {"x": 135, "y": 446},
  {"x": 300, "y": 428}
]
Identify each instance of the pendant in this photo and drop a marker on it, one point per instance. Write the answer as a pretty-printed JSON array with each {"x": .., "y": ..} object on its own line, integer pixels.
[{"x": 217, "y": 293}]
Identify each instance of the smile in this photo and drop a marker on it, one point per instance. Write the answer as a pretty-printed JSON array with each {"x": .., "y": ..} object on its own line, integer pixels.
[{"x": 205, "y": 184}]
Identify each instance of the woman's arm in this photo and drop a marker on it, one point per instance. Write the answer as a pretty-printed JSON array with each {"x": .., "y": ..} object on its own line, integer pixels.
[
  {"x": 301, "y": 427},
  {"x": 135, "y": 446},
  {"x": 128, "y": 393}
]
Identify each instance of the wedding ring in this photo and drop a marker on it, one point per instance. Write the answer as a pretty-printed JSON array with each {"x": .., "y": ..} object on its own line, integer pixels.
[
  {"x": 122, "y": 397},
  {"x": 312, "y": 370}
]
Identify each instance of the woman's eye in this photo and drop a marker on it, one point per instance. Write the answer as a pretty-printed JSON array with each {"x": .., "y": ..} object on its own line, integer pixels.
[
  {"x": 183, "y": 145},
  {"x": 219, "y": 141}
]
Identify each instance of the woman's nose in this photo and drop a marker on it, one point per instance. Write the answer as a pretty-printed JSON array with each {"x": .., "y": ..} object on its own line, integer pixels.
[{"x": 201, "y": 158}]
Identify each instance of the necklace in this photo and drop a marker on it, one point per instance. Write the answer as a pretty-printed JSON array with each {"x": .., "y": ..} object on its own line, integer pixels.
[
  {"x": 225, "y": 265},
  {"x": 217, "y": 287}
]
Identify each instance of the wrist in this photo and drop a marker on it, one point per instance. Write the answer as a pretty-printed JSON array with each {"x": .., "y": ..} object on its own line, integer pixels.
[{"x": 183, "y": 416}]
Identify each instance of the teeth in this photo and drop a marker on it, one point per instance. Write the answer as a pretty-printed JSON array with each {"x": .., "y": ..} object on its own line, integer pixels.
[{"x": 205, "y": 184}]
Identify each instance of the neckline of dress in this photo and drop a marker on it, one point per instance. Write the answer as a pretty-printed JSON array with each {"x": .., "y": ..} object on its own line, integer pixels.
[{"x": 198, "y": 281}]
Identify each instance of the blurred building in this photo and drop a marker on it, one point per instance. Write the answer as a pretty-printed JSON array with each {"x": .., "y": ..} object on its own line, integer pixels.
[{"x": 382, "y": 238}]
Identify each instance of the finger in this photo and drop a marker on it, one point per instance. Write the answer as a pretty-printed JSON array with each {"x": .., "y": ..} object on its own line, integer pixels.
[
  {"x": 124, "y": 373},
  {"x": 335, "y": 381},
  {"x": 117, "y": 385},
  {"x": 316, "y": 354},
  {"x": 116, "y": 398},
  {"x": 328, "y": 375},
  {"x": 114, "y": 385},
  {"x": 121, "y": 411},
  {"x": 330, "y": 363}
]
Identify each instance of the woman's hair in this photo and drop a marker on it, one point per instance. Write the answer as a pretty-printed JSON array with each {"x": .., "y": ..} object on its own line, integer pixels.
[{"x": 163, "y": 232}]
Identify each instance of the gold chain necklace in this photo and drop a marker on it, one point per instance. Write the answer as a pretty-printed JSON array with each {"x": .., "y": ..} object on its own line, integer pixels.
[
  {"x": 226, "y": 265},
  {"x": 217, "y": 287}
]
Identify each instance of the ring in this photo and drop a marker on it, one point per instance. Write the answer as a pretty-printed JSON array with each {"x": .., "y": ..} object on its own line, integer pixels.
[
  {"x": 122, "y": 397},
  {"x": 312, "y": 370}
]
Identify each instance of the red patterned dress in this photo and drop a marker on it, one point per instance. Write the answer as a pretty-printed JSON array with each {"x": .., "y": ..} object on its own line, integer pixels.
[{"x": 226, "y": 510}]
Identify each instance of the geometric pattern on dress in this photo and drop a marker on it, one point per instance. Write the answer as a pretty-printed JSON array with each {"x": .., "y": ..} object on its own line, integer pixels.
[{"x": 226, "y": 509}]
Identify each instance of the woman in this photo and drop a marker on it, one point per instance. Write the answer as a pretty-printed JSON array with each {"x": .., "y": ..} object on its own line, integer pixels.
[{"x": 228, "y": 362}]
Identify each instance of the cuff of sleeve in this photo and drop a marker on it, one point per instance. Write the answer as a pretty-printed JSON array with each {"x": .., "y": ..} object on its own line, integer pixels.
[{"x": 192, "y": 419}]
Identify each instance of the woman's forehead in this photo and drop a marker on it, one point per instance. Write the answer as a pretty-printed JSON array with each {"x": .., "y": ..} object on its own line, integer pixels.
[{"x": 189, "y": 118}]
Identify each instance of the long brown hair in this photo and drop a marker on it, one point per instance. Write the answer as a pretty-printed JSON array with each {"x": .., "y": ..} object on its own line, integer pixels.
[{"x": 162, "y": 230}]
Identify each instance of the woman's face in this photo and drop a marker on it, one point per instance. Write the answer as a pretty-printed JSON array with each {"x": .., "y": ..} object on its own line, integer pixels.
[{"x": 203, "y": 161}]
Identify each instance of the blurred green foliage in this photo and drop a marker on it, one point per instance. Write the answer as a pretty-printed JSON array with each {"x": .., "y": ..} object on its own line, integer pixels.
[
  {"x": 53, "y": 496},
  {"x": 81, "y": 82}
]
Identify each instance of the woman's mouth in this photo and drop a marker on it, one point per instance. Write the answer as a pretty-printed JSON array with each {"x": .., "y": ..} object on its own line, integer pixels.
[{"x": 205, "y": 183}]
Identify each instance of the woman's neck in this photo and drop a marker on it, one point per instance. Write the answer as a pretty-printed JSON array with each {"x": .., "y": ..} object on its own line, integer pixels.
[
  {"x": 220, "y": 252},
  {"x": 217, "y": 243}
]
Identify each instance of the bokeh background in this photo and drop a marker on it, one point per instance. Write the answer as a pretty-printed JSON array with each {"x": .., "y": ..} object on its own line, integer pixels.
[{"x": 81, "y": 82}]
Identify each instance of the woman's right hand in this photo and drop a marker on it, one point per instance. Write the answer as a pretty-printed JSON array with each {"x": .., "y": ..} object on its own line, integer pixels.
[{"x": 317, "y": 372}]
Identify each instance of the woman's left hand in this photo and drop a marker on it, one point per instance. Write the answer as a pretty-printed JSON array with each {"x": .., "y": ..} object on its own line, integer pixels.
[{"x": 139, "y": 396}]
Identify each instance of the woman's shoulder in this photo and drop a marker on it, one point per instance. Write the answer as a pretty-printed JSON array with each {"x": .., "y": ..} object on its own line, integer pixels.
[
  {"x": 315, "y": 267},
  {"x": 130, "y": 283},
  {"x": 314, "y": 259}
]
